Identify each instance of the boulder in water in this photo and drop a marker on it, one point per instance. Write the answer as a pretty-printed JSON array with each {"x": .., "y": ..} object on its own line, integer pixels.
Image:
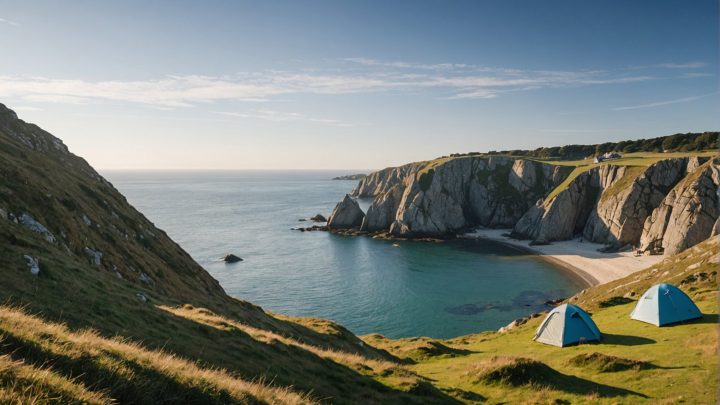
[
  {"x": 347, "y": 214},
  {"x": 231, "y": 258},
  {"x": 319, "y": 218}
]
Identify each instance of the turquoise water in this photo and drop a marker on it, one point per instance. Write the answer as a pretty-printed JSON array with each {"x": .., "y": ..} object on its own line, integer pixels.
[{"x": 416, "y": 289}]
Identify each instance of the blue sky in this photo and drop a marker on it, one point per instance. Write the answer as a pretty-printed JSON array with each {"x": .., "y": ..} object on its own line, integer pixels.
[{"x": 353, "y": 85}]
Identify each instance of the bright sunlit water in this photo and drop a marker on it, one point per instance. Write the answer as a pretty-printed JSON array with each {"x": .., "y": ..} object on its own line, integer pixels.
[{"x": 419, "y": 288}]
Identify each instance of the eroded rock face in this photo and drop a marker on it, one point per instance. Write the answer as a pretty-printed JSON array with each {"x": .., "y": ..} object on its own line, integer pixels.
[
  {"x": 381, "y": 181},
  {"x": 610, "y": 204},
  {"x": 446, "y": 196},
  {"x": 381, "y": 213},
  {"x": 523, "y": 175},
  {"x": 347, "y": 214},
  {"x": 566, "y": 215},
  {"x": 620, "y": 214},
  {"x": 687, "y": 215}
]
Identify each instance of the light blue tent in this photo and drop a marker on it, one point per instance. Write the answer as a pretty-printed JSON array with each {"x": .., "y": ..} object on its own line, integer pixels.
[
  {"x": 566, "y": 325},
  {"x": 664, "y": 304}
]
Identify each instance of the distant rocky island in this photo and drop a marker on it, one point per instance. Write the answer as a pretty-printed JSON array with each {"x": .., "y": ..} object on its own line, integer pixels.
[{"x": 358, "y": 176}]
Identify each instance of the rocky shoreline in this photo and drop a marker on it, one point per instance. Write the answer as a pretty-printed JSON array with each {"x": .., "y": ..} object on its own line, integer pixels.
[{"x": 664, "y": 207}]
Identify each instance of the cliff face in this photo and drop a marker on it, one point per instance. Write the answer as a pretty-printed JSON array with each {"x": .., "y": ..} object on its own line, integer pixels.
[
  {"x": 566, "y": 214},
  {"x": 380, "y": 182},
  {"x": 671, "y": 204},
  {"x": 620, "y": 214},
  {"x": 447, "y": 195},
  {"x": 688, "y": 214}
]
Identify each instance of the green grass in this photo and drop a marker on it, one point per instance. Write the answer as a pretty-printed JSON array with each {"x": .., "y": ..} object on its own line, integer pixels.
[{"x": 635, "y": 362}]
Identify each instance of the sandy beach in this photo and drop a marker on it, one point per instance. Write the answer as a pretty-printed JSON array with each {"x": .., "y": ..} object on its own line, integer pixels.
[{"x": 582, "y": 258}]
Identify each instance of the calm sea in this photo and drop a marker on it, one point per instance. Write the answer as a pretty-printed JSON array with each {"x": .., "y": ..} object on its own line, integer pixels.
[{"x": 415, "y": 289}]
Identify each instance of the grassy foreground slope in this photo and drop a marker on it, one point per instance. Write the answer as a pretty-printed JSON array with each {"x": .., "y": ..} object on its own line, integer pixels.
[
  {"x": 118, "y": 311},
  {"x": 635, "y": 363}
]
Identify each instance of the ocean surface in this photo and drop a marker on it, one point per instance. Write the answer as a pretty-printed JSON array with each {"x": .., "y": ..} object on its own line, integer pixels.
[{"x": 439, "y": 290}]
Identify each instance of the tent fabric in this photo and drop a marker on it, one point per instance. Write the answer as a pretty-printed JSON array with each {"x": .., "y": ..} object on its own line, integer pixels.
[
  {"x": 566, "y": 325},
  {"x": 664, "y": 304}
]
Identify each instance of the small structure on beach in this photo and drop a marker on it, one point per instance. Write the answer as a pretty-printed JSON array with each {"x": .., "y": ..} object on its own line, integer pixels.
[
  {"x": 664, "y": 304},
  {"x": 567, "y": 325}
]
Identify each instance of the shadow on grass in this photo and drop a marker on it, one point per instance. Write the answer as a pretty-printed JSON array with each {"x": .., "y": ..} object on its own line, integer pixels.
[
  {"x": 580, "y": 386},
  {"x": 626, "y": 340},
  {"x": 706, "y": 318},
  {"x": 524, "y": 372}
]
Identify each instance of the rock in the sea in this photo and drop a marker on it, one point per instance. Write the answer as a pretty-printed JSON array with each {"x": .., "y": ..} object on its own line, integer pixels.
[
  {"x": 231, "y": 258},
  {"x": 358, "y": 176},
  {"x": 33, "y": 264},
  {"x": 347, "y": 214},
  {"x": 319, "y": 218}
]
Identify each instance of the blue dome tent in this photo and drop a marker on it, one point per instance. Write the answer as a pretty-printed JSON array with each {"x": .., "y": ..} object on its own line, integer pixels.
[
  {"x": 663, "y": 304},
  {"x": 566, "y": 325}
]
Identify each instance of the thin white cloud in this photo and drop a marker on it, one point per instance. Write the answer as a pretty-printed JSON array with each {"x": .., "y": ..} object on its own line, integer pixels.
[
  {"x": 578, "y": 131},
  {"x": 9, "y": 22},
  {"x": 688, "y": 65},
  {"x": 662, "y": 103},
  {"x": 444, "y": 80},
  {"x": 409, "y": 65},
  {"x": 280, "y": 116}
]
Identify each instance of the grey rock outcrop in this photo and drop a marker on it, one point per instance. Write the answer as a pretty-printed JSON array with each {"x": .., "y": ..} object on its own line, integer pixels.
[
  {"x": 347, "y": 214},
  {"x": 381, "y": 181},
  {"x": 319, "y": 218},
  {"x": 443, "y": 196},
  {"x": 95, "y": 256},
  {"x": 33, "y": 264},
  {"x": 687, "y": 215},
  {"x": 381, "y": 213},
  {"x": 231, "y": 258},
  {"x": 523, "y": 175},
  {"x": 620, "y": 214},
  {"x": 566, "y": 214},
  {"x": 29, "y": 222}
]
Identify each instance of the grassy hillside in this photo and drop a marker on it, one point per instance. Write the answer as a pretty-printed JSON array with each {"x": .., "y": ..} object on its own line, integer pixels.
[
  {"x": 104, "y": 266},
  {"x": 635, "y": 362}
]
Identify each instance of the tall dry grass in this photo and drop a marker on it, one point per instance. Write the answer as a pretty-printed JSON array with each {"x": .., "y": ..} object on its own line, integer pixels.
[{"x": 115, "y": 368}]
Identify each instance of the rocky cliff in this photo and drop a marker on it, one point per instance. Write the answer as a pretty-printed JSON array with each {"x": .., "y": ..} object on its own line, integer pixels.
[
  {"x": 668, "y": 205},
  {"x": 688, "y": 214},
  {"x": 441, "y": 197}
]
